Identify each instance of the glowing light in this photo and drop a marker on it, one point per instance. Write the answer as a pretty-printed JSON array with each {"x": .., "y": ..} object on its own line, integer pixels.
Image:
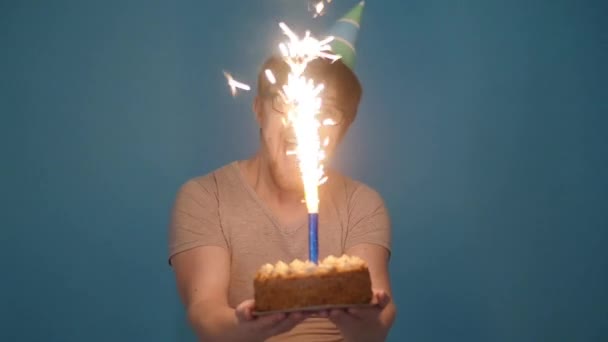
[
  {"x": 328, "y": 122},
  {"x": 284, "y": 50},
  {"x": 303, "y": 98},
  {"x": 318, "y": 7},
  {"x": 234, "y": 84},
  {"x": 270, "y": 76}
]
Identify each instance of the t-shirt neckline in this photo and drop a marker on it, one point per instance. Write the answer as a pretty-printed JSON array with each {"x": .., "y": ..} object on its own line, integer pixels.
[{"x": 254, "y": 196}]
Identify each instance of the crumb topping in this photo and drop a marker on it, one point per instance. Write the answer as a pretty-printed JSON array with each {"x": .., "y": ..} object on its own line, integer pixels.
[{"x": 303, "y": 268}]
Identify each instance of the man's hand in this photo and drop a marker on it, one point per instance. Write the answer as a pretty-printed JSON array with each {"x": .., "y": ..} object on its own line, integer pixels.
[
  {"x": 363, "y": 324},
  {"x": 264, "y": 327}
]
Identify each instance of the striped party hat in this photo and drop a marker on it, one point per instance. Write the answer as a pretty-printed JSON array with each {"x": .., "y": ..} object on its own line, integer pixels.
[{"x": 345, "y": 35}]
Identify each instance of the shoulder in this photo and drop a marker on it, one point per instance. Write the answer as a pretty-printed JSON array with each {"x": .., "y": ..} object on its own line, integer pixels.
[
  {"x": 209, "y": 183},
  {"x": 356, "y": 191}
]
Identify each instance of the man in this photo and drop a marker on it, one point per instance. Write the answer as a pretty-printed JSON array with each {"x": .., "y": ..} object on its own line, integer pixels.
[{"x": 228, "y": 223}]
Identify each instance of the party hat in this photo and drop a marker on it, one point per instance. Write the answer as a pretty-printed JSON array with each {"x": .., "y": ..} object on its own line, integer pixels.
[{"x": 345, "y": 35}]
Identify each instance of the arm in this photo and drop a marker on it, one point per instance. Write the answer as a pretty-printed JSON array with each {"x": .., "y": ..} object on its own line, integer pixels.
[
  {"x": 377, "y": 258},
  {"x": 369, "y": 237},
  {"x": 201, "y": 261},
  {"x": 373, "y": 323},
  {"x": 202, "y": 276}
]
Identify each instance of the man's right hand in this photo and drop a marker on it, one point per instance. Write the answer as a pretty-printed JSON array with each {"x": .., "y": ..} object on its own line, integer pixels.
[{"x": 263, "y": 327}]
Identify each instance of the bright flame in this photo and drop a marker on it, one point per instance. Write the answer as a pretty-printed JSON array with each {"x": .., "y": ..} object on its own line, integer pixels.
[
  {"x": 317, "y": 7},
  {"x": 234, "y": 84},
  {"x": 328, "y": 122},
  {"x": 303, "y": 96},
  {"x": 270, "y": 76}
]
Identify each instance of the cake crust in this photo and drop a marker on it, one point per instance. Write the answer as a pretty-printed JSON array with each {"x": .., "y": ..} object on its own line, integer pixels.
[{"x": 334, "y": 281}]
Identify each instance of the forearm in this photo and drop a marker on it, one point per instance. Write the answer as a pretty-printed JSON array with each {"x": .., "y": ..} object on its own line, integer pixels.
[{"x": 214, "y": 322}]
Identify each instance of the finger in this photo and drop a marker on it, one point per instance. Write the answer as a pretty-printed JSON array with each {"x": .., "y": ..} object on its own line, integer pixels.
[
  {"x": 244, "y": 311},
  {"x": 266, "y": 322},
  {"x": 376, "y": 295},
  {"x": 366, "y": 314},
  {"x": 336, "y": 317},
  {"x": 334, "y": 312},
  {"x": 285, "y": 325},
  {"x": 307, "y": 314},
  {"x": 297, "y": 316},
  {"x": 383, "y": 299},
  {"x": 339, "y": 316},
  {"x": 355, "y": 312},
  {"x": 322, "y": 313}
]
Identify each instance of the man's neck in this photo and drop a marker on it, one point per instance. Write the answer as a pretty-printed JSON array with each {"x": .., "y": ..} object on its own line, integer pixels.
[{"x": 258, "y": 175}]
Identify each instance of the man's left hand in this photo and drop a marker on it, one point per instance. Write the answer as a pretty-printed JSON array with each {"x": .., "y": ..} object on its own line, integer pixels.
[{"x": 362, "y": 324}]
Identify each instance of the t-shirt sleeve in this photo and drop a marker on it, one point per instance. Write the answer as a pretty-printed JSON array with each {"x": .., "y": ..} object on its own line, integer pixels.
[
  {"x": 195, "y": 219},
  {"x": 369, "y": 220}
]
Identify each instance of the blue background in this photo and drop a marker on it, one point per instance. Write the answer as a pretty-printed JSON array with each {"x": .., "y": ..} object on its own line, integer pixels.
[{"x": 483, "y": 125}]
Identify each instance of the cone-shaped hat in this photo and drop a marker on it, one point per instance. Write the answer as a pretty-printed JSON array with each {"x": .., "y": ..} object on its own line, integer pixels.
[{"x": 345, "y": 35}]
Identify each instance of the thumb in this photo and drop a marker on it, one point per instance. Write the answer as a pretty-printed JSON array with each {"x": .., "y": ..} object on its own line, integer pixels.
[
  {"x": 383, "y": 299},
  {"x": 244, "y": 311}
]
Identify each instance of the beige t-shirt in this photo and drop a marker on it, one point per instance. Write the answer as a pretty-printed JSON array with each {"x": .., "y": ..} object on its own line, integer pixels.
[{"x": 222, "y": 209}]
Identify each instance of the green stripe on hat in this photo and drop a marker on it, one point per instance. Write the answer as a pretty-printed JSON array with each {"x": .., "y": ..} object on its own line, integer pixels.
[{"x": 343, "y": 48}]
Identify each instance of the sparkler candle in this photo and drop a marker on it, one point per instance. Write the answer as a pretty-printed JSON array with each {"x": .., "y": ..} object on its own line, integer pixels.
[
  {"x": 297, "y": 285},
  {"x": 304, "y": 99}
]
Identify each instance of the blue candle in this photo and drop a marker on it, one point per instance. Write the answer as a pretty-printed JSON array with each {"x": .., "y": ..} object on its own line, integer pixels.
[{"x": 313, "y": 240}]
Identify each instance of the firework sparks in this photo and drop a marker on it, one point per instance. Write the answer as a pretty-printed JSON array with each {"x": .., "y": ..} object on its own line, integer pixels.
[
  {"x": 304, "y": 100},
  {"x": 303, "y": 96},
  {"x": 270, "y": 76},
  {"x": 318, "y": 7},
  {"x": 234, "y": 84}
]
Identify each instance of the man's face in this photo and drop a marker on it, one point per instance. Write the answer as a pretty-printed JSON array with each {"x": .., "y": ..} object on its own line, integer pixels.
[{"x": 278, "y": 136}]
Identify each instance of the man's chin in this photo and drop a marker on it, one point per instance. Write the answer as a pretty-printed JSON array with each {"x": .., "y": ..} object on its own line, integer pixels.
[
  {"x": 290, "y": 185},
  {"x": 287, "y": 178}
]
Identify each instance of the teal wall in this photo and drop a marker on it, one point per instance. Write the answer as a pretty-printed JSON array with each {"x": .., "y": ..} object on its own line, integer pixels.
[{"x": 483, "y": 125}]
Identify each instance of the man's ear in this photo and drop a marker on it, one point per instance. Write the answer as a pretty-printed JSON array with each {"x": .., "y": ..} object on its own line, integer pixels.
[{"x": 256, "y": 106}]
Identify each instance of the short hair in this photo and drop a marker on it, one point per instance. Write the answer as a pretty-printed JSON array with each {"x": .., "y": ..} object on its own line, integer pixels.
[{"x": 333, "y": 74}]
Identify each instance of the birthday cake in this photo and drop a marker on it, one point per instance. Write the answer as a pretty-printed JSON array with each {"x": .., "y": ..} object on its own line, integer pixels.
[{"x": 303, "y": 284}]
